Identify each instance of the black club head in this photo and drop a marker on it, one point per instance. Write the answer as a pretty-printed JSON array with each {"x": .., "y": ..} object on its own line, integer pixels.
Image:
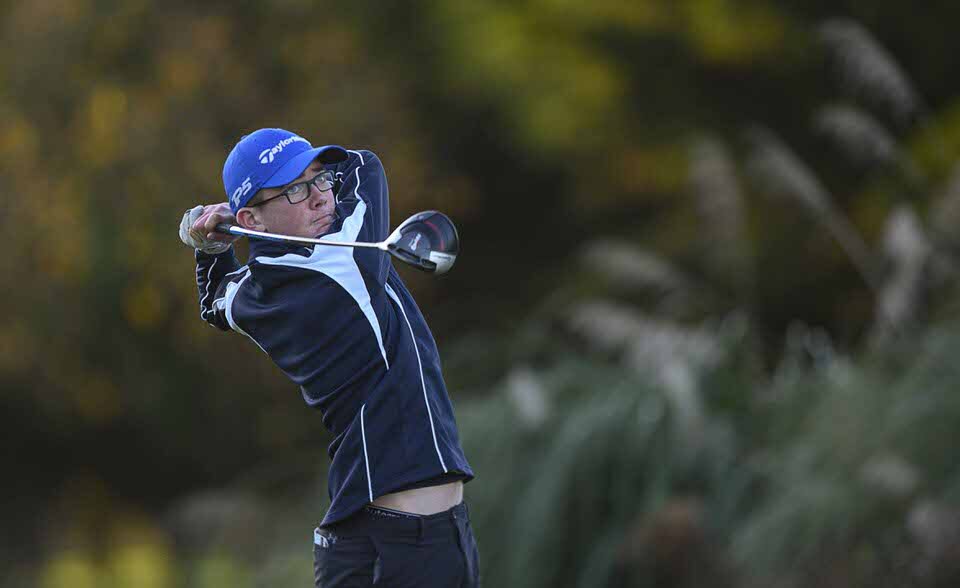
[{"x": 428, "y": 241}]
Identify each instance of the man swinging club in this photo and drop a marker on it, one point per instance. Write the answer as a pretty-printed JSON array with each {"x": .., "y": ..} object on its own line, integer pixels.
[{"x": 339, "y": 322}]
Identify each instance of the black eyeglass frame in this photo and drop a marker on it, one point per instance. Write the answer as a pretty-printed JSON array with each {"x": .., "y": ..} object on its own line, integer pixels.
[{"x": 327, "y": 176}]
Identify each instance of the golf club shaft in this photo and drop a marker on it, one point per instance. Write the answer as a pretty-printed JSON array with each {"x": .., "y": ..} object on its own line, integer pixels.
[{"x": 242, "y": 232}]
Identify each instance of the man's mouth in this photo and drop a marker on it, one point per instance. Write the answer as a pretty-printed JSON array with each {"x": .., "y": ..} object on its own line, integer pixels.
[{"x": 323, "y": 224}]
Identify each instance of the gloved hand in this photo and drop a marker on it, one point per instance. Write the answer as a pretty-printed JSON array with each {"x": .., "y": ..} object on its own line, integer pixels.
[{"x": 196, "y": 229}]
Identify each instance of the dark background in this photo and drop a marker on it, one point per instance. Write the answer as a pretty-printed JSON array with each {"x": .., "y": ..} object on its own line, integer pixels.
[{"x": 656, "y": 213}]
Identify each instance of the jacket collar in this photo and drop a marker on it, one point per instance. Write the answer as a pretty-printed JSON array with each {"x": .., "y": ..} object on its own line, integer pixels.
[{"x": 265, "y": 248}]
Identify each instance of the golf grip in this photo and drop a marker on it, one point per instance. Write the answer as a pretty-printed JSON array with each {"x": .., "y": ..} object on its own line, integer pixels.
[{"x": 223, "y": 228}]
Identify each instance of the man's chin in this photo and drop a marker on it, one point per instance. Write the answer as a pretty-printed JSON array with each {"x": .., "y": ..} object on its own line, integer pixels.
[{"x": 322, "y": 227}]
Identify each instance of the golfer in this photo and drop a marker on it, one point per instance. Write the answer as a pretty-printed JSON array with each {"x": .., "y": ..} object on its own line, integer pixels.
[{"x": 340, "y": 323}]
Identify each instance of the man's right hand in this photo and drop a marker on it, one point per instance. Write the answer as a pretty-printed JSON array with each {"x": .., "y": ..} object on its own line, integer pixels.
[{"x": 198, "y": 228}]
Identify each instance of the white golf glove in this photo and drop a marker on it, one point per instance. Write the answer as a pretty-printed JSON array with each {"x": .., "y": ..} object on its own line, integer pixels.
[{"x": 196, "y": 238}]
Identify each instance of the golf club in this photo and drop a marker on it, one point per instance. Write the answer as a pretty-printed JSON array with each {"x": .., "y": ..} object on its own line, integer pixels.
[{"x": 427, "y": 240}]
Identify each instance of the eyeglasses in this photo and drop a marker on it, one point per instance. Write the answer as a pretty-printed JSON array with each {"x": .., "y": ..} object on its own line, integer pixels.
[{"x": 300, "y": 191}]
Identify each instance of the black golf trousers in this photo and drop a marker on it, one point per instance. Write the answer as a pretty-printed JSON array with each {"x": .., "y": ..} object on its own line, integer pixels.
[{"x": 383, "y": 547}]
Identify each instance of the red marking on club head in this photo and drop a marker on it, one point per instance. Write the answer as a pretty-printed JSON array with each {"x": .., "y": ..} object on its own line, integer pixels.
[{"x": 443, "y": 246}]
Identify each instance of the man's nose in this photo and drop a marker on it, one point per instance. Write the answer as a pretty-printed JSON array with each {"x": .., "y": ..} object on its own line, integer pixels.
[{"x": 318, "y": 197}]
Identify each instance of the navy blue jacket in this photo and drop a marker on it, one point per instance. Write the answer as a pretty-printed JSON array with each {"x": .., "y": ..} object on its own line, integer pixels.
[{"x": 342, "y": 326}]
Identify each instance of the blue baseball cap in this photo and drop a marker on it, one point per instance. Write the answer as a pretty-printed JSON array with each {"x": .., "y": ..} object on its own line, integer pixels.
[{"x": 270, "y": 158}]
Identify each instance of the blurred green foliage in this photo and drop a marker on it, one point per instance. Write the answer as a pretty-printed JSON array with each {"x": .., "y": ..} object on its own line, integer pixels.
[
  {"x": 731, "y": 170},
  {"x": 829, "y": 471}
]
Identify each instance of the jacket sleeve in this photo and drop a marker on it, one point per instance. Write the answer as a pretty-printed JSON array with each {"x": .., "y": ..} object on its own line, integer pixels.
[
  {"x": 364, "y": 179},
  {"x": 214, "y": 272}
]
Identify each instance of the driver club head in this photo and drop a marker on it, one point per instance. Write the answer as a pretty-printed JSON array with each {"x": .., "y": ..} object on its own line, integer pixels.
[{"x": 427, "y": 240}]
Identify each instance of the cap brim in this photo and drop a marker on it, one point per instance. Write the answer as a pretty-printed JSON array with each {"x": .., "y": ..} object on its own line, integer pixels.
[{"x": 293, "y": 168}]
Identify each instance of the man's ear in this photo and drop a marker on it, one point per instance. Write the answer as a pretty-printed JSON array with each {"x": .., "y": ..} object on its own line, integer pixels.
[{"x": 249, "y": 219}]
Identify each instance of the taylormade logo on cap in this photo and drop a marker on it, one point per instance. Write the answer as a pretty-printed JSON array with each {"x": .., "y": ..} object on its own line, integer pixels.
[{"x": 267, "y": 155}]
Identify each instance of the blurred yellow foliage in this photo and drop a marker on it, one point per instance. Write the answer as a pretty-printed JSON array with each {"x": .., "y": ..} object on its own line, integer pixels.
[
  {"x": 202, "y": 168},
  {"x": 180, "y": 72},
  {"x": 564, "y": 115},
  {"x": 563, "y": 93},
  {"x": 636, "y": 16},
  {"x": 139, "y": 554},
  {"x": 145, "y": 565},
  {"x": 58, "y": 226},
  {"x": 99, "y": 140},
  {"x": 220, "y": 570},
  {"x": 70, "y": 568},
  {"x": 18, "y": 143},
  {"x": 80, "y": 512},
  {"x": 139, "y": 244},
  {"x": 211, "y": 36},
  {"x": 729, "y": 32},
  {"x": 97, "y": 398},
  {"x": 487, "y": 49},
  {"x": 661, "y": 168},
  {"x": 18, "y": 346},
  {"x": 144, "y": 306},
  {"x": 936, "y": 145},
  {"x": 44, "y": 17}
]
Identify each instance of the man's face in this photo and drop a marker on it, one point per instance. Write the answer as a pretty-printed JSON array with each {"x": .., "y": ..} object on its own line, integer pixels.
[{"x": 309, "y": 218}]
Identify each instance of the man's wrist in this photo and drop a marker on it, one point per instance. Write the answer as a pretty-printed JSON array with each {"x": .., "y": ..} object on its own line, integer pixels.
[{"x": 214, "y": 251}]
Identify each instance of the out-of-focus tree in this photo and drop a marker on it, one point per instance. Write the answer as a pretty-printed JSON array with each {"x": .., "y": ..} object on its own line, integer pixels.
[{"x": 118, "y": 118}]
